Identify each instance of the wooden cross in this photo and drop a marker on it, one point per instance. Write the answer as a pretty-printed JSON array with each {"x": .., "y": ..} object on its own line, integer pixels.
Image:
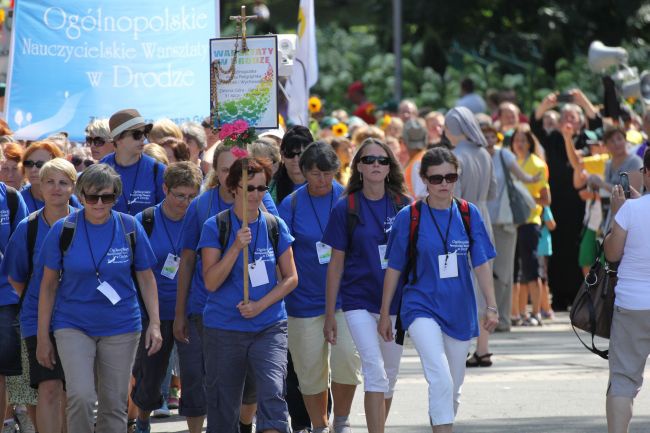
[{"x": 242, "y": 20}]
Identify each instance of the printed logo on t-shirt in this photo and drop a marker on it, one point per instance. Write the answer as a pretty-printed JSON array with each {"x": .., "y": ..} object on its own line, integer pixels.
[
  {"x": 265, "y": 254},
  {"x": 117, "y": 255},
  {"x": 4, "y": 217},
  {"x": 388, "y": 224},
  {"x": 460, "y": 247},
  {"x": 138, "y": 196}
]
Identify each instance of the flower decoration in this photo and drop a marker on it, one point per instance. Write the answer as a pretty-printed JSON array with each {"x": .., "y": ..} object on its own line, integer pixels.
[
  {"x": 340, "y": 129},
  {"x": 384, "y": 121},
  {"x": 314, "y": 104},
  {"x": 238, "y": 152},
  {"x": 238, "y": 133}
]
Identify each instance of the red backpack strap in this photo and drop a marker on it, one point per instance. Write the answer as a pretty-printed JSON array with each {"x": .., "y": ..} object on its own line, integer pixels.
[
  {"x": 352, "y": 215},
  {"x": 414, "y": 225},
  {"x": 463, "y": 206}
]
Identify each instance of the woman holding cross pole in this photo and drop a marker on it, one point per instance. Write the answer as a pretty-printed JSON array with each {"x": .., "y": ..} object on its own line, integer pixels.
[{"x": 246, "y": 325}]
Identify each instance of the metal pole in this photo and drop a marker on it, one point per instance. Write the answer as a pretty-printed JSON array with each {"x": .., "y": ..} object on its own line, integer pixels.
[{"x": 397, "y": 47}]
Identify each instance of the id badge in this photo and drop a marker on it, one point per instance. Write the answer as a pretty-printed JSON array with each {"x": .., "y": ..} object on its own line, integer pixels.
[
  {"x": 257, "y": 273},
  {"x": 110, "y": 293},
  {"x": 448, "y": 265},
  {"x": 382, "y": 256},
  {"x": 324, "y": 252},
  {"x": 170, "y": 268}
]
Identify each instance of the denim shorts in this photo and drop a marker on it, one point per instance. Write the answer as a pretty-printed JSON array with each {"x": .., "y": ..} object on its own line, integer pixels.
[{"x": 10, "y": 362}]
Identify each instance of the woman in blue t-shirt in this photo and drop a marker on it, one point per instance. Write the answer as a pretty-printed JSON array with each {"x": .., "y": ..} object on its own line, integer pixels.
[
  {"x": 306, "y": 211},
  {"x": 57, "y": 181},
  {"x": 88, "y": 298},
  {"x": 358, "y": 233},
  {"x": 238, "y": 335},
  {"x": 438, "y": 305}
]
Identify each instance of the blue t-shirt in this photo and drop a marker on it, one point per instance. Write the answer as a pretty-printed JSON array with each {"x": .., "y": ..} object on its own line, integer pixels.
[
  {"x": 8, "y": 295},
  {"x": 79, "y": 305},
  {"x": 545, "y": 245},
  {"x": 221, "y": 306},
  {"x": 307, "y": 222},
  {"x": 16, "y": 265},
  {"x": 139, "y": 188},
  {"x": 448, "y": 301},
  {"x": 203, "y": 207},
  {"x": 34, "y": 204},
  {"x": 165, "y": 239},
  {"x": 363, "y": 277}
]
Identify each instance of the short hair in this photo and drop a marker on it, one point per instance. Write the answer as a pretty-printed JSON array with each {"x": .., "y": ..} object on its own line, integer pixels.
[
  {"x": 467, "y": 85},
  {"x": 178, "y": 147},
  {"x": 611, "y": 132},
  {"x": 60, "y": 165},
  {"x": 362, "y": 133},
  {"x": 265, "y": 148},
  {"x": 575, "y": 108},
  {"x": 194, "y": 131},
  {"x": 51, "y": 148},
  {"x": 99, "y": 128},
  {"x": 13, "y": 152},
  {"x": 157, "y": 152},
  {"x": 164, "y": 128},
  {"x": 183, "y": 173},
  {"x": 432, "y": 115},
  {"x": 98, "y": 177},
  {"x": 320, "y": 155},
  {"x": 437, "y": 156},
  {"x": 255, "y": 165}
]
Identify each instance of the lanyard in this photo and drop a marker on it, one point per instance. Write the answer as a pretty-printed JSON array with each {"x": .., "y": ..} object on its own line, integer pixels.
[
  {"x": 444, "y": 240},
  {"x": 314, "y": 208},
  {"x": 257, "y": 232},
  {"x": 96, "y": 265},
  {"x": 383, "y": 226},
  {"x": 169, "y": 237},
  {"x": 135, "y": 181}
]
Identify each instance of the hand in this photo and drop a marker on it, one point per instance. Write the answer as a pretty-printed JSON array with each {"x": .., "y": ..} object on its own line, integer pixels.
[
  {"x": 549, "y": 101},
  {"x": 579, "y": 98},
  {"x": 618, "y": 198},
  {"x": 567, "y": 130},
  {"x": 385, "y": 328},
  {"x": 181, "y": 329},
  {"x": 595, "y": 181},
  {"x": 491, "y": 320},
  {"x": 153, "y": 339},
  {"x": 329, "y": 329},
  {"x": 249, "y": 310},
  {"x": 45, "y": 353},
  {"x": 243, "y": 238},
  {"x": 534, "y": 179}
]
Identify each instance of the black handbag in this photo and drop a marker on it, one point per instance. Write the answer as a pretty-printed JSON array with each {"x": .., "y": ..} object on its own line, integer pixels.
[{"x": 593, "y": 307}]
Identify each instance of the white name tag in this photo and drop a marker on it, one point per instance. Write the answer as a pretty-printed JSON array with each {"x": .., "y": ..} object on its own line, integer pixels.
[
  {"x": 448, "y": 265},
  {"x": 257, "y": 273},
  {"x": 110, "y": 293},
  {"x": 382, "y": 256},
  {"x": 324, "y": 252},
  {"x": 170, "y": 268}
]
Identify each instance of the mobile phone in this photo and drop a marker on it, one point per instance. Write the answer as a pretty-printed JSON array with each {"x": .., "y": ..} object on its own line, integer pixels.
[
  {"x": 625, "y": 183},
  {"x": 564, "y": 97}
]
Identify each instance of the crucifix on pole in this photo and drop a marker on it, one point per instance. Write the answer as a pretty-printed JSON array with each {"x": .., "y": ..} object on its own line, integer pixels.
[{"x": 241, "y": 20}]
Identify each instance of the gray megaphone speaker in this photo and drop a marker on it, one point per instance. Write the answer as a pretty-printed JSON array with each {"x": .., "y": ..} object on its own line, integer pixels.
[
  {"x": 602, "y": 57},
  {"x": 645, "y": 87}
]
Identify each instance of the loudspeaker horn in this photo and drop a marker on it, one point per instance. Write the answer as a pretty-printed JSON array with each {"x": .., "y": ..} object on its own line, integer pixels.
[{"x": 602, "y": 57}]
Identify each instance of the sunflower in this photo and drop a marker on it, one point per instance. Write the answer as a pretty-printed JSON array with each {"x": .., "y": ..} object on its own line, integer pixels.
[
  {"x": 314, "y": 104},
  {"x": 340, "y": 129},
  {"x": 384, "y": 121}
]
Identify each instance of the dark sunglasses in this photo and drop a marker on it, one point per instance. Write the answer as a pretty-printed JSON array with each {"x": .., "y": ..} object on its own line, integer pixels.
[
  {"x": 291, "y": 154},
  {"x": 206, "y": 124},
  {"x": 75, "y": 160},
  {"x": 371, "y": 159},
  {"x": 251, "y": 188},
  {"x": 137, "y": 134},
  {"x": 95, "y": 141},
  {"x": 436, "y": 179},
  {"x": 94, "y": 198},
  {"x": 29, "y": 163}
]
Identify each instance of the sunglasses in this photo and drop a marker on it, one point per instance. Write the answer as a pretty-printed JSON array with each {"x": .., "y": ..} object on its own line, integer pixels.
[
  {"x": 371, "y": 159},
  {"x": 29, "y": 163},
  {"x": 436, "y": 179},
  {"x": 251, "y": 188},
  {"x": 137, "y": 134},
  {"x": 95, "y": 141},
  {"x": 291, "y": 154},
  {"x": 206, "y": 124},
  {"x": 76, "y": 161},
  {"x": 94, "y": 198}
]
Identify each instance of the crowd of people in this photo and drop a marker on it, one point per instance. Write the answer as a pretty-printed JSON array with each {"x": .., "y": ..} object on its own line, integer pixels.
[{"x": 123, "y": 270}]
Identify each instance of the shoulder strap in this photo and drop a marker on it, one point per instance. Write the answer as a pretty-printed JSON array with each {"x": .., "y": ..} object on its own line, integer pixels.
[
  {"x": 12, "y": 204},
  {"x": 223, "y": 224},
  {"x": 400, "y": 201},
  {"x": 294, "y": 204},
  {"x": 273, "y": 231},
  {"x": 67, "y": 233},
  {"x": 352, "y": 215},
  {"x": 32, "y": 232},
  {"x": 414, "y": 229},
  {"x": 155, "y": 180},
  {"x": 463, "y": 206},
  {"x": 148, "y": 216}
]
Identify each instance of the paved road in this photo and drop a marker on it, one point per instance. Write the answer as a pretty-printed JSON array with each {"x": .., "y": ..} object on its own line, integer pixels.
[{"x": 542, "y": 381}]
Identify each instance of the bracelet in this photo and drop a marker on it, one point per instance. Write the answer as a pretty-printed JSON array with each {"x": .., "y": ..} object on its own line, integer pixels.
[{"x": 493, "y": 309}]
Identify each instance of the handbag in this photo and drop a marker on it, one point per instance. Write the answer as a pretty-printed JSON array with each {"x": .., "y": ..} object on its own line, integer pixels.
[
  {"x": 593, "y": 306},
  {"x": 521, "y": 201}
]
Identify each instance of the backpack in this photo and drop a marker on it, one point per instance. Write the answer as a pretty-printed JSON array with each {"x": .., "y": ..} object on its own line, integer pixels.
[
  {"x": 148, "y": 220},
  {"x": 399, "y": 201},
  {"x": 12, "y": 204},
  {"x": 272, "y": 229},
  {"x": 32, "y": 233}
]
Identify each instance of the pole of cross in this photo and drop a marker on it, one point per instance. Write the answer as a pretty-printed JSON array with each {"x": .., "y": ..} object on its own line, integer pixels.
[{"x": 244, "y": 224}]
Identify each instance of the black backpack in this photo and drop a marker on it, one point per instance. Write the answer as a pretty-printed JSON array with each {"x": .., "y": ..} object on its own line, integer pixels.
[{"x": 272, "y": 228}]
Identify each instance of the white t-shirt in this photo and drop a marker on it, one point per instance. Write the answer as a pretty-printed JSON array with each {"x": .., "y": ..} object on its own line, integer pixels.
[{"x": 633, "y": 287}]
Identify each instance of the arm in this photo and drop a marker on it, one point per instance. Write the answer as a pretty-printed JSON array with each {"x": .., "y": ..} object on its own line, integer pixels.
[
  {"x": 217, "y": 268},
  {"x": 18, "y": 287},
  {"x": 544, "y": 197},
  {"x": 185, "y": 272},
  {"x": 550, "y": 224},
  {"x": 516, "y": 170},
  {"x": 584, "y": 102},
  {"x": 615, "y": 240},
  {"x": 574, "y": 156},
  {"x": 486, "y": 283},
  {"x": 44, "y": 349},
  {"x": 547, "y": 103},
  {"x": 385, "y": 326},
  {"x": 149, "y": 291},
  {"x": 332, "y": 285}
]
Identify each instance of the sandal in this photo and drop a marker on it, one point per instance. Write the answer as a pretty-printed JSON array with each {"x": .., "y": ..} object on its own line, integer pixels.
[{"x": 479, "y": 361}]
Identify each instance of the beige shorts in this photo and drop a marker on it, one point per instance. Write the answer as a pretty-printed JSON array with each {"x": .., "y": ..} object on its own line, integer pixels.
[
  {"x": 314, "y": 359},
  {"x": 629, "y": 347}
]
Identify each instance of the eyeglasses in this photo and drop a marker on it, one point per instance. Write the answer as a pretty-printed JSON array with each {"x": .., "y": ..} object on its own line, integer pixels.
[
  {"x": 75, "y": 160},
  {"x": 183, "y": 197},
  {"x": 94, "y": 198},
  {"x": 138, "y": 134},
  {"x": 29, "y": 163},
  {"x": 251, "y": 188},
  {"x": 206, "y": 124},
  {"x": 95, "y": 141},
  {"x": 290, "y": 155},
  {"x": 371, "y": 159},
  {"x": 436, "y": 179}
]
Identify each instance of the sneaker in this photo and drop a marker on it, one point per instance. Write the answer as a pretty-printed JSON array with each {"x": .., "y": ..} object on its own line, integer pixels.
[
  {"x": 172, "y": 400},
  {"x": 550, "y": 314},
  {"x": 163, "y": 411},
  {"x": 25, "y": 423},
  {"x": 343, "y": 428},
  {"x": 139, "y": 429}
]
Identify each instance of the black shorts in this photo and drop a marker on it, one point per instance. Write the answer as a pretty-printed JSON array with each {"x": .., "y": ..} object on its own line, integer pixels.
[
  {"x": 527, "y": 265},
  {"x": 10, "y": 360},
  {"x": 38, "y": 373}
]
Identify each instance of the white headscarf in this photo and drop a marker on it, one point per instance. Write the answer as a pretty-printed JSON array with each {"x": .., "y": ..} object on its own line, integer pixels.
[{"x": 461, "y": 121}]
